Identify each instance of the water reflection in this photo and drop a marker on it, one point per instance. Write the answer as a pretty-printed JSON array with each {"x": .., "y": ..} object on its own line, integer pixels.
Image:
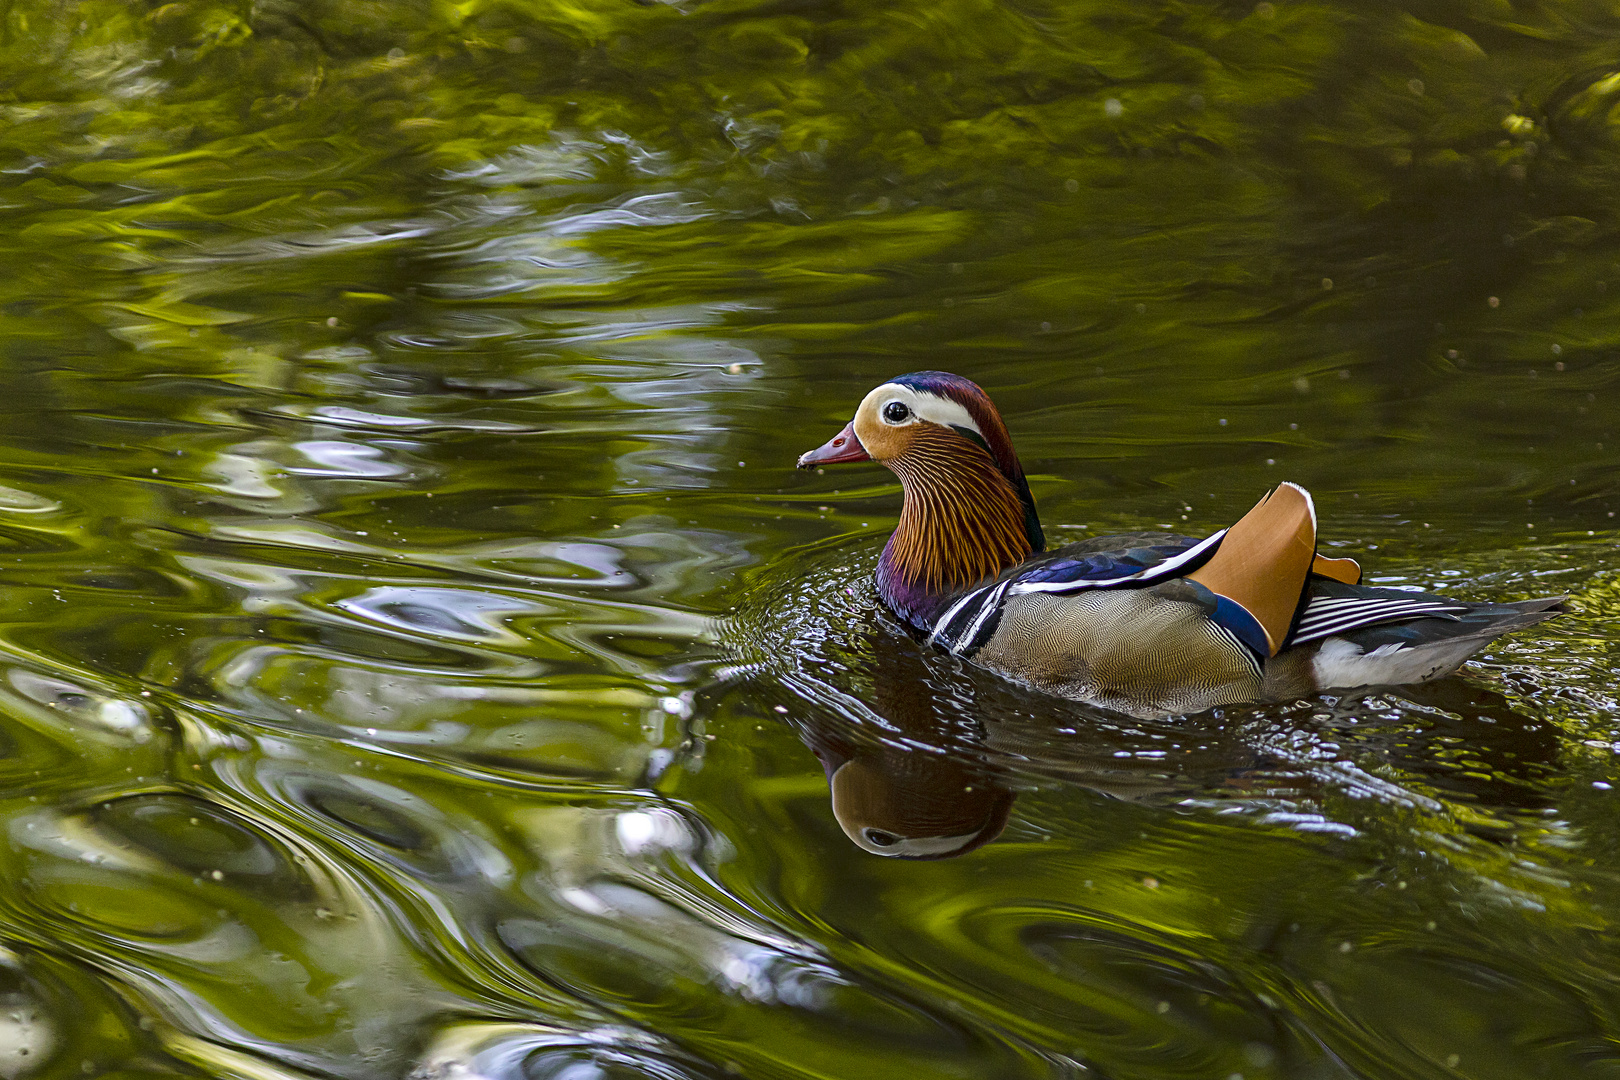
[
  {"x": 927, "y": 758},
  {"x": 917, "y": 783}
]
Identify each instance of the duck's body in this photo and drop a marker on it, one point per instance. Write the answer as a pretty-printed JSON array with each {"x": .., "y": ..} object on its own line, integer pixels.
[
  {"x": 1165, "y": 647},
  {"x": 1148, "y": 624}
]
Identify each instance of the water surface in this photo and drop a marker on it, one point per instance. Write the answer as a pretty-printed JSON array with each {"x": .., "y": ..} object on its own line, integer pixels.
[{"x": 418, "y": 656}]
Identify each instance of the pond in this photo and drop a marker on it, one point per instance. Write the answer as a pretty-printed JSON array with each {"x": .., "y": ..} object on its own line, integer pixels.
[{"x": 420, "y": 657}]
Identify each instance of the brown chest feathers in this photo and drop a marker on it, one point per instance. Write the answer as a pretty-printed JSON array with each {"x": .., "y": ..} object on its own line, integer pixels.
[{"x": 962, "y": 521}]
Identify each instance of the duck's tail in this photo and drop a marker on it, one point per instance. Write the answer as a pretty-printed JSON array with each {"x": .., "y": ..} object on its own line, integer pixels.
[{"x": 1423, "y": 648}]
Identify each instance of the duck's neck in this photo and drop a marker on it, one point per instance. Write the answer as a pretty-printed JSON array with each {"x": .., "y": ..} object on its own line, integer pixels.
[{"x": 963, "y": 522}]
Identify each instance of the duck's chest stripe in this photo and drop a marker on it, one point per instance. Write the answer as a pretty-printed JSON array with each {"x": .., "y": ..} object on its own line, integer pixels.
[{"x": 969, "y": 622}]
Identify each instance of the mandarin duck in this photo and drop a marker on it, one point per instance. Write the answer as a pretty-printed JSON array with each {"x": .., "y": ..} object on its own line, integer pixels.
[{"x": 1150, "y": 624}]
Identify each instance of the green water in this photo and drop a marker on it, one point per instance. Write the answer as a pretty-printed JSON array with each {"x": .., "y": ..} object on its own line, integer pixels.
[{"x": 415, "y": 641}]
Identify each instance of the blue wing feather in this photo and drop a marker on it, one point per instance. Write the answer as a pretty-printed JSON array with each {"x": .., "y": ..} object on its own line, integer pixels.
[
  {"x": 1071, "y": 570},
  {"x": 1066, "y": 565}
]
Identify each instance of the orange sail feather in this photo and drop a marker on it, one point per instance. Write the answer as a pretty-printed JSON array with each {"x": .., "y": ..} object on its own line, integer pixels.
[{"x": 1264, "y": 560}]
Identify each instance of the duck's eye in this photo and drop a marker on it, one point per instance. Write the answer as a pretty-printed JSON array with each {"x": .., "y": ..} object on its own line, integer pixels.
[
  {"x": 878, "y": 837},
  {"x": 896, "y": 412}
]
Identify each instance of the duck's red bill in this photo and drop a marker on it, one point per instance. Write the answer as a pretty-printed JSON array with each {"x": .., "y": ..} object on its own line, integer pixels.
[{"x": 842, "y": 447}]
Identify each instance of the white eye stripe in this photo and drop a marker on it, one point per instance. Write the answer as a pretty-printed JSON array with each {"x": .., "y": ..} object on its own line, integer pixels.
[{"x": 926, "y": 406}]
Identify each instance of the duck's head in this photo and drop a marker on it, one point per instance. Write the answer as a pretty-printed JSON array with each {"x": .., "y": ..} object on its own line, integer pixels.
[
  {"x": 968, "y": 512},
  {"x": 926, "y": 413}
]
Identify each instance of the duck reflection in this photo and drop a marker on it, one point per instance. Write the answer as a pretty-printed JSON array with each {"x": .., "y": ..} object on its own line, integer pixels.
[
  {"x": 893, "y": 808},
  {"x": 916, "y": 784},
  {"x": 1471, "y": 743},
  {"x": 925, "y": 758}
]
